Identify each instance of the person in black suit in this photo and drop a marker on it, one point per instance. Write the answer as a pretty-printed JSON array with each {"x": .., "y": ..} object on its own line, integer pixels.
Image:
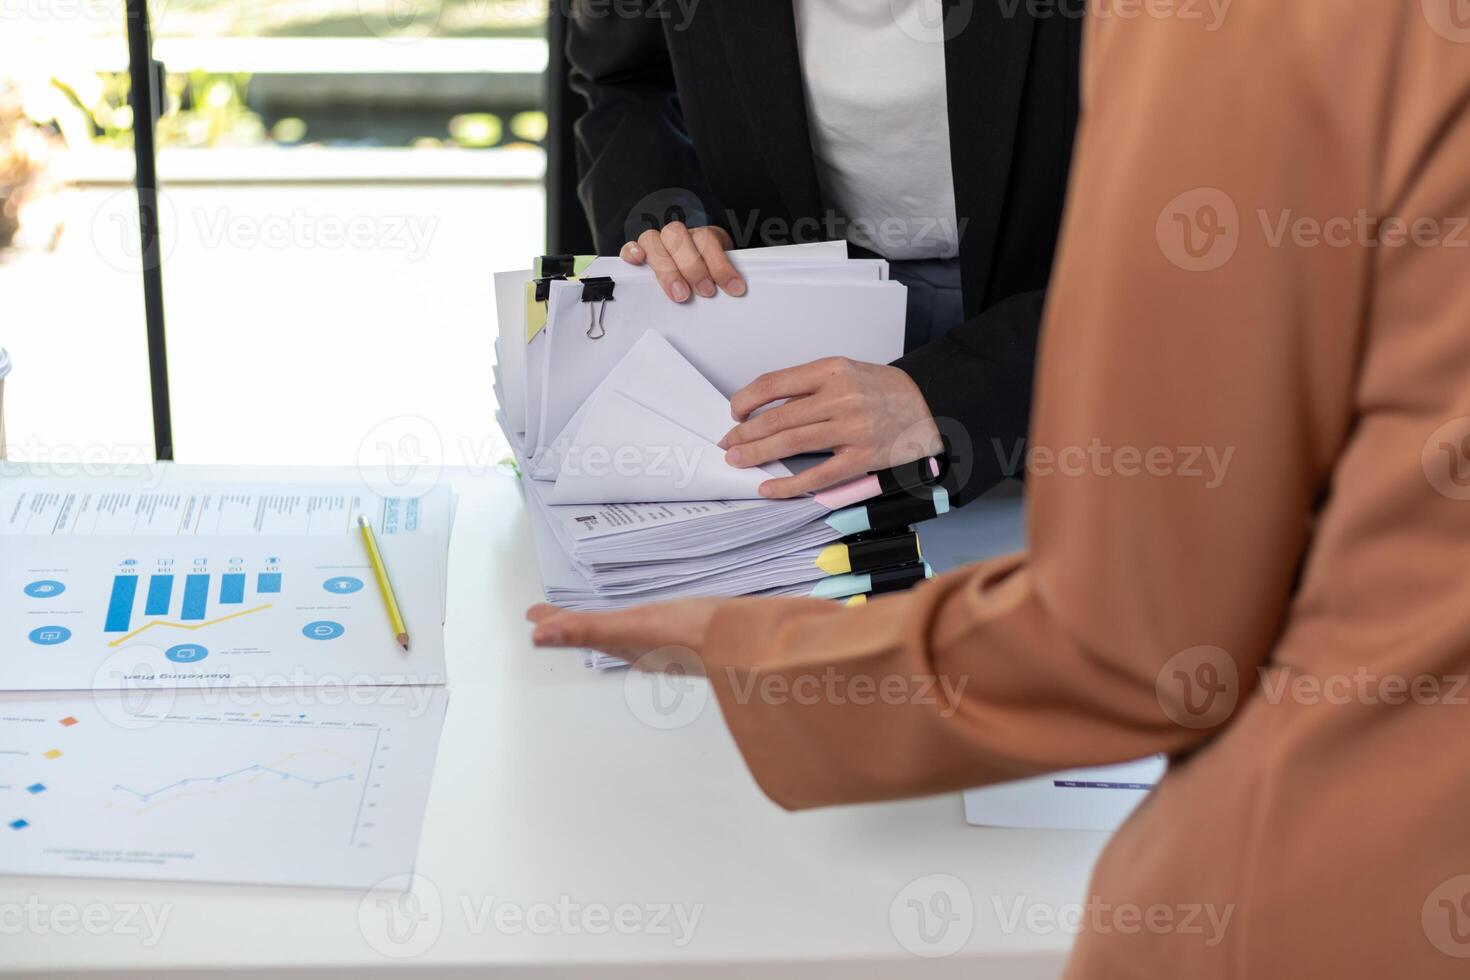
[{"x": 934, "y": 133}]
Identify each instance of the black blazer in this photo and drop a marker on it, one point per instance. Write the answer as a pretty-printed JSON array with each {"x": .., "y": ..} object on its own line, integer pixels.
[{"x": 698, "y": 113}]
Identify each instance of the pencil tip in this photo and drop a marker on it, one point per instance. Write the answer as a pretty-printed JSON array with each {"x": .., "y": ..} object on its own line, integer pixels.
[{"x": 403, "y": 640}]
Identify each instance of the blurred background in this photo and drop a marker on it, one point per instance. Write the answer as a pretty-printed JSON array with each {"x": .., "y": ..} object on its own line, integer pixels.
[{"x": 339, "y": 179}]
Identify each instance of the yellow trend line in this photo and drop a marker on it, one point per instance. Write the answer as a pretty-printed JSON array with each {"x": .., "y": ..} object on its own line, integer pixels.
[{"x": 185, "y": 626}]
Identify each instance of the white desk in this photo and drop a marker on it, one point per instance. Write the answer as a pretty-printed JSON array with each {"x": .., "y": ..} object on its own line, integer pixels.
[{"x": 549, "y": 790}]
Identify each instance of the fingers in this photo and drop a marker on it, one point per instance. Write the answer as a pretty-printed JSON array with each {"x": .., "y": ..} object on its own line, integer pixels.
[
  {"x": 633, "y": 254},
  {"x": 722, "y": 236},
  {"x": 665, "y": 269},
  {"x": 686, "y": 255},
  {"x": 775, "y": 385},
  {"x": 712, "y": 247},
  {"x": 838, "y": 469},
  {"x": 562, "y": 628},
  {"x": 790, "y": 442},
  {"x": 686, "y": 262},
  {"x": 796, "y": 412}
]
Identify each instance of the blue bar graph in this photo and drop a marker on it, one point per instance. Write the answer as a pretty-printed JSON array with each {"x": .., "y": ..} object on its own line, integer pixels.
[
  {"x": 196, "y": 597},
  {"x": 268, "y": 583},
  {"x": 160, "y": 594},
  {"x": 120, "y": 607},
  {"x": 232, "y": 589}
]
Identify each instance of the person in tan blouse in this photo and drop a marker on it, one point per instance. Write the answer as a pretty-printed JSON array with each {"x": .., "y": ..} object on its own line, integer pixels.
[{"x": 1266, "y": 255}]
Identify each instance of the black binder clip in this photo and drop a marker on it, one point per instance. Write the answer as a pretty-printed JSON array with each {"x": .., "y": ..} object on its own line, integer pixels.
[
  {"x": 598, "y": 291},
  {"x": 543, "y": 287},
  {"x": 556, "y": 266}
]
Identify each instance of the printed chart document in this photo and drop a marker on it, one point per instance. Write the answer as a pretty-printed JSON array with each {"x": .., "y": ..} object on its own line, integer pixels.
[
  {"x": 271, "y": 787},
  {"x": 201, "y": 681},
  {"x": 83, "y": 613}
]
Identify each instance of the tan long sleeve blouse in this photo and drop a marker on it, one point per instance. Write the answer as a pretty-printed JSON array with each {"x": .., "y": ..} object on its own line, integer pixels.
[{"x": 1265, "y": 258}]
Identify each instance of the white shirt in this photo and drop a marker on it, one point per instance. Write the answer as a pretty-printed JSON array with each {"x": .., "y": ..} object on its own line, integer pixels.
[{"x": 879, "y": 113}]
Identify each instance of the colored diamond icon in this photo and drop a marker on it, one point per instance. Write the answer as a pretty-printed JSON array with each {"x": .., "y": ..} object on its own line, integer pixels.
[
  {"x": 53, "y": 754},
  {"x": 19, "y": 824},
  {"x": 68, "y": 721},
  {"x": 35, "y": 788}
]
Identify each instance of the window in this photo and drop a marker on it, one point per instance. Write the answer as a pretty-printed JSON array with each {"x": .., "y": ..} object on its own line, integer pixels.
[{"x": 338, "y": 180}]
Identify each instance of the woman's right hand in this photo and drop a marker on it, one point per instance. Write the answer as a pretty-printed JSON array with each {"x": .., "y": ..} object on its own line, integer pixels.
[{"x": 687, "y": 261}]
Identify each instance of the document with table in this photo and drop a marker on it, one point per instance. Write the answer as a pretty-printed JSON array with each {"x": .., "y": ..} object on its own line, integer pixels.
[{"x": 201, "y": 681}]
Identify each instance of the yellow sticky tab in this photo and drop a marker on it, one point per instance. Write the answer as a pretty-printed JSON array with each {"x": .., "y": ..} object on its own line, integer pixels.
[
  {"x": 535, "y": 313},
  {"x": 833, "y": 560},
  {"x": 858, "y": 600}
]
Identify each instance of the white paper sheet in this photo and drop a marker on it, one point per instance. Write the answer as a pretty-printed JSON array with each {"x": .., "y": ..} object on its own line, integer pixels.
[
  {"x": 777, "y": 324},
  {"x": 1079, "y": 799},
  {"x": 84, "y": 613},
  {"x": 281, "y": 787},
  {"x": 649, "y": 432}
]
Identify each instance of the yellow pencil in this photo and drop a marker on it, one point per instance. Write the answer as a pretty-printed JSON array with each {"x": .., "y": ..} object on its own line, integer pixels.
[{"x": 384, "y": 586}]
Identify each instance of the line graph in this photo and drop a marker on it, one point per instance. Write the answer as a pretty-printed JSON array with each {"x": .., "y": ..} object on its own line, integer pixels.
[
  {"x": 215, "y": 780},
  {"x": 238, "y": 779},
  {"x": 185, "y": 626}
]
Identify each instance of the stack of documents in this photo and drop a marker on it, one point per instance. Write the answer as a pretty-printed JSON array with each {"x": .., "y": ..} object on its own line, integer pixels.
[
  {"x": 202, "y": 681},
  {"x": 613, "y": 399}
]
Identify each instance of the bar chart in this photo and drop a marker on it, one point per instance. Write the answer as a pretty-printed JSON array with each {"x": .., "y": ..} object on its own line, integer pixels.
[
  {"x": 205, "y": 598},
  {"x": 127, "y": 612}
]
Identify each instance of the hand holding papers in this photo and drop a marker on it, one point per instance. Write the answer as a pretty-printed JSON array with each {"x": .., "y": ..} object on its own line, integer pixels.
[
  {"x": 648, "y": 432},
  {"x": 615, "y": 400}
]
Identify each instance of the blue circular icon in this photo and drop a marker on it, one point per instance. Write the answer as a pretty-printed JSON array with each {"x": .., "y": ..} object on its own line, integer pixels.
[
  {"x": 343, "y": 585},
  {"x": 49, "y": 636},
  {"x": 186, "y": 653},
  {"x": 44, "y": 589},
  {"x": 322, "y": 629}
]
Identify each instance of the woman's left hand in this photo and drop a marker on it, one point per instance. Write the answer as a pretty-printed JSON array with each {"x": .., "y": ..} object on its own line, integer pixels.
[{"x": 678, "y": 627}]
